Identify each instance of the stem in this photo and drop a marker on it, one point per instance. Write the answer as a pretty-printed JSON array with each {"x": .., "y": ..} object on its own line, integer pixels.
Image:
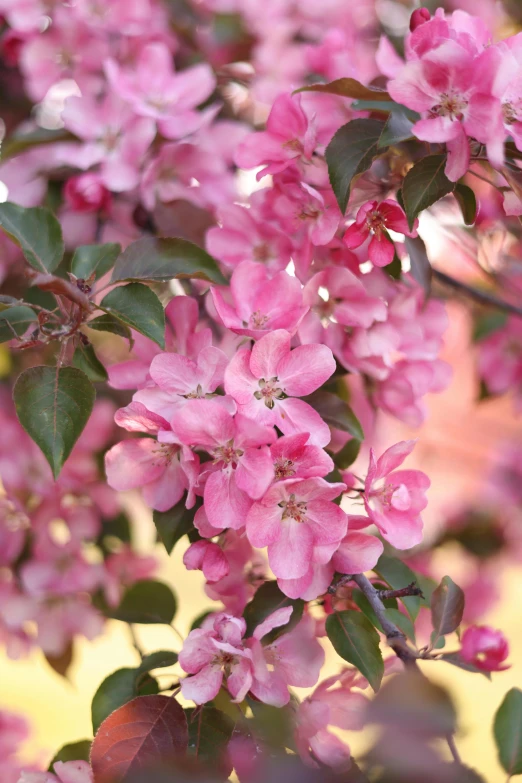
[
  {"x": 453, "y": 748},
  {"x": 404, "y": 592},
  {"x": 483, "y": 297},
  {"x": 135, "y": 642}
]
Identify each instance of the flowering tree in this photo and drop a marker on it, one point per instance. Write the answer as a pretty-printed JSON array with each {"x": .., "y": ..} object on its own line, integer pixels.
[{"x": 226, "y": 346}]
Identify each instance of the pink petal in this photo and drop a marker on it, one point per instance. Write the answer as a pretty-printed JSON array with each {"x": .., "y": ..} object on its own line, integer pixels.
[
  {"x": 393, "y": 457},
  {"x": 226, "y": 505},
  {"x": 136, "y": 418},
  {"x": 203, "y": 686},
  {"x": 133, "y": 463},
  {"x": 289, "y": 557},
  {"x": 203, "y": 423},
  {"x": 274, "y": 620},
  {"x": 294, "y": 415},
  {"x": 240, "y": 382},
  {"x": 164, "y": 492},
  {"x": 355, "y": 235},
  {"x": 381, "y": 250},
  {"x": 255, "y": 472},
  {"x": 263, "y": 524},
  {"x": 327, "y": 521},
  {"x": 357, "y": 553},
  {"x": 268, "y": 352},
  {"x": 304, "y": 369},
  {"x": 240, "y": 679}
]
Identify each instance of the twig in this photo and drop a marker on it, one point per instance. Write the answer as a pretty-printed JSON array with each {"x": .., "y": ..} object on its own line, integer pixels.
[
  {"x": 453, "y": 748},
  {"x": 394, "y": 636},
  {"x": 135, "y": 642},
  {"x": 404, "y": 592},
  {"x": 483, "y": 297}
]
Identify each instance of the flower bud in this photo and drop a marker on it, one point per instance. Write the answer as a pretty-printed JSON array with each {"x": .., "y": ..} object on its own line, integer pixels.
[
  {"x": 86, "y": 193},
  {"x": 484, "y": 647},
  {"x": 418, "y": 17}
]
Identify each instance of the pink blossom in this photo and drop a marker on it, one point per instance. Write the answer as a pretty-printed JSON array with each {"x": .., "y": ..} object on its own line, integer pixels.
[
  {"x": 60, "y": 621},
  {"x": 500, "y": 358},
  {"x": 294, "y": 457},
  {"x": 288, "y": 138},
  {"x": 418, "y": 17},
  {"x": 374, "y": 219},
  {"x": 394, "y": 498},
  {"x": 14, "y": 524},
  {"x": 485, "y": 648},
  {"x": 86, "y": 193},
  {"x": 64, "y": 772},
  {"x": 242, "y": 467},
  {"x": 210, "y": 654},
  {"x": 207, "y": 557},
  {"x": 402, "y": 391},
  {"x": 13, "y": 731},
  {"x": 247, "y": 570},
  {"x": 298, "y": 522},
  {"x": 154, "y": 90},
  {"x": 163, "y": 470},
  {"x": 266, "y": 382},
  {"x": 260, "y": 304}
]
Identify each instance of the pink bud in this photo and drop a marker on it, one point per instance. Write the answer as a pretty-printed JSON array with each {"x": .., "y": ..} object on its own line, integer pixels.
[
  {"x": 485, "y": 647},
  {"x": 418, "y": 17},
  {"x": 86, "y": 193}
]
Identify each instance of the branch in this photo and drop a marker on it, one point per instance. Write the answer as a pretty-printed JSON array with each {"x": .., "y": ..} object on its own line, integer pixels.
[
  {"x": 483, "y": 297},
  {"x": 394, "y": 636},
  {"x": 404, "y": 592}
]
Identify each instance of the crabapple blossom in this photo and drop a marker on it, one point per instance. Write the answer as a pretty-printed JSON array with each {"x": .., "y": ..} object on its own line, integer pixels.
[
  {"x": 485, "y": 648},
  {"x": 267, "y": 381},
  {"x": 373, "y": 220},
  {"x": 394, "y": 498},
  {"x": 64, "y": 772},
  {"x": 207, "y": 557},
  {"x": 294, "y": 457},
  {"x": 86, "y": 193}
]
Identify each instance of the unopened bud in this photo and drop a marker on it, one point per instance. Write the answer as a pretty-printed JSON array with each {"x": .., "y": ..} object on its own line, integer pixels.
[{"x": 418, "y": 17}]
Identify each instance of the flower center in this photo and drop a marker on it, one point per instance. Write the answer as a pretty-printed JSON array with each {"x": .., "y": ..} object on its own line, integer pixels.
[
  {"x": 293, "y": 509},
  {"x": 269, "y": 391},
  {"x": 284, "y": 468},
  {"x": 451, "y": 105},
  {"x": 258, "y": 320},
  {"x": 196, "y": 394},
  {"x": 227, "y": 454},
  {"x": 375, "y": 221},
  {"x": 166, "y": 453},
  {"x": 294, "y": 145},
  {"x": 261, "y": 252}
]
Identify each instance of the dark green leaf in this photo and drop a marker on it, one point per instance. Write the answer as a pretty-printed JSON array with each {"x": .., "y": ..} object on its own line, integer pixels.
[
  {"x": 147, "y": 602},
  {"x": 138, "y": 307},
  {"x": 37, "y": 232},
  {"x": 488, "y": 324},
  {"x": 394, "y": 270},
  {"x": 467, "y": 203},
  {"x": 398, "y": 128},
  {"x": 118, "y": 526},
  {"x": 162, "y": 259},
  {"x": 348, "y": 88},
  {"x": 54, "y": 405},
  {"x": 456, "y": 660},
  {"x": 348, "y": 454},
  {"x": 336, "y": 413},
  {"x": 424, "y": 184},
  {"x": 420, "y": 263},
  {"x": 85, "y": 359},
  {"x": 350, "y": 153},
  {"x": 157, "y": 660},
  {"x": 15, "y": 321},
  {"x": 397, "y": 575},
  {"x": 174, "y": 524},
  {"x": 147, "y": 686},
  {"x": 117, "y": 689},
  {"x": 507, "y": 729},
  {"x": 267, "y": 599},
  {"x": 210, "y": 731},
  {"x": 273, "y": 725},
  {"x": 402, "y": 622},
  {"x": 74, "y": 751},
  {"x": 356, "y": 641},
  {"x": 108, "y": 323},
  {"x": 447, "y": 607},
  {"x": 199, "y": 620},
  {"x": 94, "y": 260}
]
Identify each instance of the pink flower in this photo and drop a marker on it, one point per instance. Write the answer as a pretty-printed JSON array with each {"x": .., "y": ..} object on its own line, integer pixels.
[
  {"x": 260, "y": 303},
  {"x": 209, "y": 655},
  {"x": 485, "y": 648},
  {"x": 298, "y": 522},
  {"x": 293, "y": 457},
  {"x": 86, "y": 193},
  {"x": 394, "y": 498},
  {"x": 418, "y": 17},
  {"x": 266, "y": 381},
  {"x": 154, "y": 90},
  {"x": 242, "y": 467},
  {"x": 294, "y": 658},
  {"x": 65, "y": 772},
  {"x": 374, "y": 219},
  {"x": 289, "y": 137},
  {"x": 163, "y": 470},
  {"x": 207, "y": 557},
  {"x": 402, "y": 391},
  {"x": 500, "y": 358},
  {"x": 247, "y": 569}
]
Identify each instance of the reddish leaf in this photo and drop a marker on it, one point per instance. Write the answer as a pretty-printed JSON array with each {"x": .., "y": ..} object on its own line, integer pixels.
[{"x": 145, "y": 732}]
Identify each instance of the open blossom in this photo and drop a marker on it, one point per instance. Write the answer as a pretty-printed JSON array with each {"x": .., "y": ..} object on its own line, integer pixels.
[
  {"x": 485, "y": 648},
  {"x": 64, "y": 772},
  {"x": 373, "y": 220},
  {"x": 294, "y": 457},
  {"x": 266, "y": 382},
  {"x": 260, "y": 303},
  {"x": 289, "y": 137},
  {"x": 394, "y": 498},
  {"x": 154, "y": 90},
  {"x": 241, "y": 469},
  {"x": 299, "y": 524},
  {"x": 163, "y": 470}
]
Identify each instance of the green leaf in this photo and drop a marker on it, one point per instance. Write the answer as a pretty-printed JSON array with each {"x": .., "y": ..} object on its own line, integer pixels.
[
  {"x": 8, "y": 301},
  {"x": 355, "y": 639},
  {"x": 174, "y": 523},
  {"x": 115, "y": 691},
  {"x": 73, "y": 751},
  {"x": 394, "y": 269},
  {"x": 398, "y": 128},
  {"x": 53, "y": 406},
  {"x": 467, "y": 203},
  {"x": 36, "y": 231},
  {"x": 162, "y": 259},
  {"x": 109, "y": 323},
  {"x": 210, "y": 731},
  {"x": 267, "y": 599},
  {"x": 161, "y": 659},
  {"x": 402, "y": 622},
  {"x": 420, "y": 264},
  {"x": 94, "y": 260},
  {"x": 397, "y": 575},
  {"x": 395, "y": 616},
  {"x": 348, "y": 88},
  {"x": 350, "y": 153},
  {"x": 424, "y": 184},
  {"x": 456, "y": 660},
  {"x": 488, "y": 324},
  {"x": 15, "y": 321},
  {"x": 348, "y": 454},
  {"x": 336, "y": 413},
  {"x": 507, "y": 728},
  {"x": 85, "y": 359},
  {"x": 138, "y": 307},
  {"x": 447, "y": 607},
  {"x": 146, "y": 602}
]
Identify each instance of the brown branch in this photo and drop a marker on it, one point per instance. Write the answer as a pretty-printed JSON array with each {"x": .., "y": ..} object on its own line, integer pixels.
[
  {"x": 483, "y": 297},
  {"x": 404, "y": 592}
]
